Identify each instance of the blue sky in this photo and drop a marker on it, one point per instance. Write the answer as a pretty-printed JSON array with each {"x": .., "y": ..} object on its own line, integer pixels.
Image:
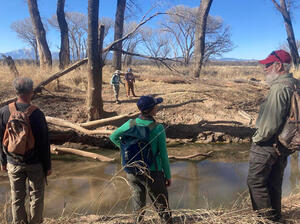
[{"x": 257, "y": 27}]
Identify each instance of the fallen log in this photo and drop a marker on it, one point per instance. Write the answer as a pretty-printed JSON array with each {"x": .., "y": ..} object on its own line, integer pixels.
[
  {"x": 191, "y": 156},
  {"x": 110, "y": 120},
  {"x": 42, "y": 84},
  {"x": 64, "y": 123},
  {"x": 58, "y": 149}
]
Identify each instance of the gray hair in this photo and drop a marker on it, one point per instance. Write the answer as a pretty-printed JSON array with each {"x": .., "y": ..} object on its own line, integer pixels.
[{"x": 23, "y": 85}]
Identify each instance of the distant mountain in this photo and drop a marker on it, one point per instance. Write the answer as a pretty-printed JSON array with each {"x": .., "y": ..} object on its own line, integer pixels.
[
  {"x": 26, "y": 54},
  {"x": 231, "y": 59}
]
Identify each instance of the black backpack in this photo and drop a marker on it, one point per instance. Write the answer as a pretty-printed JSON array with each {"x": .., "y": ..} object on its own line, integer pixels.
[{"x": 136, "y": 152}]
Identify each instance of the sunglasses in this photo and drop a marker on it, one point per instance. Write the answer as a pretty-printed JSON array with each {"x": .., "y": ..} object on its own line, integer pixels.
[{"x": 268, "y": 64}]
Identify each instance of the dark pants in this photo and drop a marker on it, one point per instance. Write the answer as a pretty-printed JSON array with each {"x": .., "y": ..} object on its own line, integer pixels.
[
  {"x": 266, "y": 168},
  {"x": 157, "y": 191},
  {"x": 129, "y": 87}
]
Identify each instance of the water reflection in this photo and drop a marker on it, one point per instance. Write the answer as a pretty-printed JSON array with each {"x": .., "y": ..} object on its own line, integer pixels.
[{"x": 93, "y": 187}]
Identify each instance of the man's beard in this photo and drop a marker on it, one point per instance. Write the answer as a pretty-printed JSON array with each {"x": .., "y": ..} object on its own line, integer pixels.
[{"x": 271, "y": 77}]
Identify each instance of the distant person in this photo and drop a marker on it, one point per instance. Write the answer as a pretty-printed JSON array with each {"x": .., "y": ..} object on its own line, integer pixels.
[
  {"x": 268, "y": 158},
  {"x": 159, "y": 177},
  {"x": 115, "y": 82},
  {"x": 130, "y": 80},
  {"x": 27, "y": 159}
]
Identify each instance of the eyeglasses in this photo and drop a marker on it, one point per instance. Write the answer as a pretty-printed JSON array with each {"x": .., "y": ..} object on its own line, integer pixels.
[
  {"x": 268, "y": 64},
  {"x": 274, "y": 53}
]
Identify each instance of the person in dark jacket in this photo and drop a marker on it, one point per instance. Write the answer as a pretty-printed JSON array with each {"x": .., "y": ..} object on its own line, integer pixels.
[
  {"x": 33, "y": 166},
  {"x": 268, "y": 158},
  {"x": 129, "y": 84}
]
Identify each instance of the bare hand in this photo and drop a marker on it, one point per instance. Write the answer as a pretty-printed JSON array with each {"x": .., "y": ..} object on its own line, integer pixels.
[
  {"x": 4, "y": 168},
  {"x": 168, "y": 182}
]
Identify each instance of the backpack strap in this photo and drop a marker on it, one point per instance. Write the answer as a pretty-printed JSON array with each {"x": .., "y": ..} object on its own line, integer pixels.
[
  {"x": 30, "y": 109},
  {"x": 12, "y": 107}
]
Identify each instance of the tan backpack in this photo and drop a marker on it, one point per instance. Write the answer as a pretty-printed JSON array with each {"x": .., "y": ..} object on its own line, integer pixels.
[
  {"x": 290, "y": 134},
  {"x": 18, "y": 137}
]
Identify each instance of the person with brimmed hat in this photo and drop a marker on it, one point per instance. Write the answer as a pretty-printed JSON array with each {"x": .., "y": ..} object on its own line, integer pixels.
[
  {"x": 115, "y": 82},
  {"x": 159, "y": 178},
  {"x": 268, "y": 158}
]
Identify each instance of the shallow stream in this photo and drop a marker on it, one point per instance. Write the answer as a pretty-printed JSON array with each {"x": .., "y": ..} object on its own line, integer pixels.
[{"x": 89, "y": 187}]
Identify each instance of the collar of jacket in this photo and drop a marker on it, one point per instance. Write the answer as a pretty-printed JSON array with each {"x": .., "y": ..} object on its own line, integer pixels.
[{"x": 281, "y": 78}]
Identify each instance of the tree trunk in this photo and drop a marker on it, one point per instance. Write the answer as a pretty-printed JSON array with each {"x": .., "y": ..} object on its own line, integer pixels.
[
  {"x": 119, "y": 22},
  {"x": 94, "y": 77},
  {"x": 200, "y": 35},
  {"x": 64, "y": 53},
  {"x": 282, "y": 8},
  {"x": 40, "y": 34}
]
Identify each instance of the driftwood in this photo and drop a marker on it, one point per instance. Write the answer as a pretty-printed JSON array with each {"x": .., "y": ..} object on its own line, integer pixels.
[
  {"x": 11, "y": 64},
  {"x": 64, "y": 123},
  {"x": 57, "y": 149},
  {"x": 110, "y": 120},
  {"x": 191, "y": 156}
]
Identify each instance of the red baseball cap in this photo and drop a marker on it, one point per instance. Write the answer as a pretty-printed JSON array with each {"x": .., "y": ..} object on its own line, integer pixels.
[{"x": 279, "y": 56}]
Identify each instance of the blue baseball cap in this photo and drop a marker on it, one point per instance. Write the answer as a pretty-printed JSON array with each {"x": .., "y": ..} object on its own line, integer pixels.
[{"x": 148, "y": 102}]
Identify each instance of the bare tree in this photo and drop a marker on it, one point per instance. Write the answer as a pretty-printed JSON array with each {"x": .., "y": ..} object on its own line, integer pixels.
[
  {"x": 284, "y": 9},
  {"x": 25, "y": 32},
  {"x": 94, "y": 77},
  {"x": 40, "y": 34},
  {"x": 64, "y": 53},
  {"x": 156, "y": 43},
  {"x": 181, "y": 23},
  {"x": 119, "y": 22},
  {"x": 131, "y": 43},
  {"x": 202, "y": 16},
  {"x": 78, "y": 28}
]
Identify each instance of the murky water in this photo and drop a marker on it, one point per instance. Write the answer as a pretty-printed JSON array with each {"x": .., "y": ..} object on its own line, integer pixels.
[{"x": 94, "y": 187}]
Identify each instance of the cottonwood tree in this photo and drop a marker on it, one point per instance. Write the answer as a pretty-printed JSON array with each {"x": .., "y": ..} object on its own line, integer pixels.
[
  {"x": 130, "y": 44},
  {"x": 156, "y": 43},
  {"x": 78, "y": 28},
  {"x": 40, "y": 34},
  {"x": 94, "y": 99},
  {"x": 181, "y": 23},
  {"x": 64, "y": 53},
  {"x": 201, "y": 24},
  {"x": 284, "y": 7},
  {"x": 25, "y": 32},
  {"x": 118, "y": 33}
]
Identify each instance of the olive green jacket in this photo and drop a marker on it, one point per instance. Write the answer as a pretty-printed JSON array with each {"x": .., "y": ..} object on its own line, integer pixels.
[{"x": 274, "y": 110}]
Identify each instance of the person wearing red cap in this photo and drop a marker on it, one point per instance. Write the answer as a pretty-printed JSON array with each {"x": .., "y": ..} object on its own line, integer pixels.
[
  {"x": 160, "y": 174},
  {"x": 268, "y": 158}
]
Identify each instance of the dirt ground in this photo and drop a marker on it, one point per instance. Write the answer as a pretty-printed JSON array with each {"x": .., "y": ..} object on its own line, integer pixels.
[{"x": 214, "y": 108}]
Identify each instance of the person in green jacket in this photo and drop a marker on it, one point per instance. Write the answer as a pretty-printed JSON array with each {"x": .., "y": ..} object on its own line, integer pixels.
[
  {"x": 160, "y": 169},
  {"x": 268, "y": 158}
]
